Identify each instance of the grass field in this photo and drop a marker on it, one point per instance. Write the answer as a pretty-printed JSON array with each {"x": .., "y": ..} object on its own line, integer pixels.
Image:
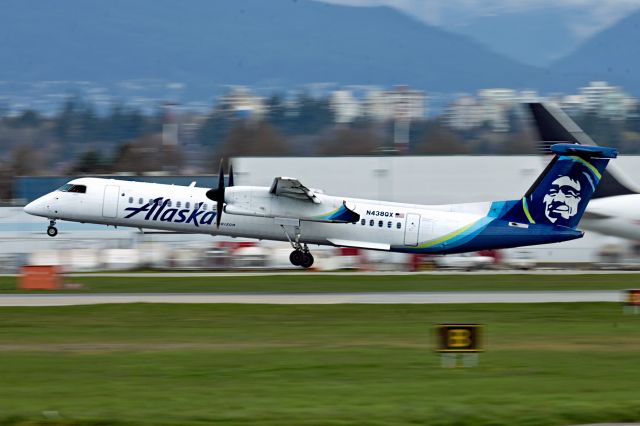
[
  {"x": 344, "y": 283},
  {"x": 146, "y": 364}
]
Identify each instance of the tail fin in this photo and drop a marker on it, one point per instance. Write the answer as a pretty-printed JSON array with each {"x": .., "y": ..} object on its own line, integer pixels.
[
  {"x": 563, "y": 190},
  {"x": 554, "y": 126}
]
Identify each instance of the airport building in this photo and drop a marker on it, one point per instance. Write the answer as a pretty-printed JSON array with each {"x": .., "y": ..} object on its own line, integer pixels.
[
  {"x": 489, "y": 107},
  {"x": 607, "y": 101},
  {"x": 399, "y": 103}
]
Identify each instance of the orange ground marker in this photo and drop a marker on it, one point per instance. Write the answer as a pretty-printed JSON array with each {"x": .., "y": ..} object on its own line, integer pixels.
[{"x": 40, "y": 278}]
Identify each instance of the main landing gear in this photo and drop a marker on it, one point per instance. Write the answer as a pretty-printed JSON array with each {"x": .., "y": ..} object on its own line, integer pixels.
[
  {"x": 300, "y": 256},
  {"x": 52, "y": 231}
]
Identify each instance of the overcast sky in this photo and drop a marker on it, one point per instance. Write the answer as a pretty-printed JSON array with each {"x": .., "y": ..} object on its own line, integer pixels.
[{"x": 592, "y": 16}]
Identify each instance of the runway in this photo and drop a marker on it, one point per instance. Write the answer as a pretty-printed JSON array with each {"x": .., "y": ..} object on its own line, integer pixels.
[
  {"x": 315, "y": 298},
  {"x": 268, "y": 273}
]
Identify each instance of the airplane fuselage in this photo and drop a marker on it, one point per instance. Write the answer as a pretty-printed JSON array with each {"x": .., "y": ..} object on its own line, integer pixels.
[
  {"x": 617, "y": 216},
  {"x": 263, "y": 215}
]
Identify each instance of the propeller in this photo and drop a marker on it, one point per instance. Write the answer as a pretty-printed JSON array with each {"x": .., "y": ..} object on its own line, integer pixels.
[{"x": 217, "y": 194}]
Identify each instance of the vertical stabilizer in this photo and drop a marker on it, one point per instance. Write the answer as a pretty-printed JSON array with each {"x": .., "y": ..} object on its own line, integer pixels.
[{"x": 561, "y": 193}]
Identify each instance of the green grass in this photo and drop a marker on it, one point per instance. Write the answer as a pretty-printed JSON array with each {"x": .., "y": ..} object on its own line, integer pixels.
[
  {"x": 344, "y": 283},
  {"x": 146, "y": 364}
]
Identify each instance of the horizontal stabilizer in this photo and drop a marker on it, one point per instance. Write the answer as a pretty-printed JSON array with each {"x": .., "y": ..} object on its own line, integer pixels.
[{"x": 584, "y": 150}]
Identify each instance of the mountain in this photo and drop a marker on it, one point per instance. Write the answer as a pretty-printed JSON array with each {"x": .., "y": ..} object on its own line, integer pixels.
[
  {"x": 207, "y": 44},
  {"x": 612, "y": 55},
  {"x": 537, "y": 37}
]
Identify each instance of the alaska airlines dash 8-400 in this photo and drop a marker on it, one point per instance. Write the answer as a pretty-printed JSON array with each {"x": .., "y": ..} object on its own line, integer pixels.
[{"x": 289, "y": 211}]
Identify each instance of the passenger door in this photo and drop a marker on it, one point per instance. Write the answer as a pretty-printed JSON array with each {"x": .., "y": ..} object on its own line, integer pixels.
[
  {"x": 110, "y": 201},
  {"x": 411, "y": 229}
]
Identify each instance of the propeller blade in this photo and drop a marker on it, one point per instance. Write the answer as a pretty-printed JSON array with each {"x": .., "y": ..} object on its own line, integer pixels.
[
  {"x": 217, "y": 194},
  {"x": 221, "y": 177},
  {"x": 230, "y": 175},
  {"x": 220, "y": 194},
  {"x": 219, "y": 214}
]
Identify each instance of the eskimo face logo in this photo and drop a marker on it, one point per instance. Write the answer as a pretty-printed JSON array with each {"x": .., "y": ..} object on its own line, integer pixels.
[{"x": 563, "y": 199}]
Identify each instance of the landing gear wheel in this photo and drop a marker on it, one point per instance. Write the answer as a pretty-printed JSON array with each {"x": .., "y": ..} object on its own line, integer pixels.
[
  {"x": 307, "y": 260},
  {"x": 52, "y": 231},
  {"x": 296, "y": 258}
]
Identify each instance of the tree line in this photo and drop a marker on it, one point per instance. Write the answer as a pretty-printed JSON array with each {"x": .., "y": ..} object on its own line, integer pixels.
[{"x": 78, "y": 139}]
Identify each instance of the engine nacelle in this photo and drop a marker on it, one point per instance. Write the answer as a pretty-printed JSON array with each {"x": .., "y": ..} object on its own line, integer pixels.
[
  {"x": 259, "y": 202},
  {"x": 242, "y": 211}
]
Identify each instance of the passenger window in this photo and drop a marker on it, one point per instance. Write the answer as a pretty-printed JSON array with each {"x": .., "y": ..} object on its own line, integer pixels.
[
  {"x": 169, "y": 203},
  {"x": 140, "y": 200},
  {"x": 380, "y": 223},
  {"x": 130, "y": 200},
  {"x": 389, "y": 225},
  {"x": 204, "y": 206},
  {"x": 363, "y": 222},
  {"x": 371, "y": 222},
  {"x": 187, "y": 205},
  {"x": 150, "y": 201},
  {"x": 178, "y": 204},
  {"x": 398, "y": 225}
]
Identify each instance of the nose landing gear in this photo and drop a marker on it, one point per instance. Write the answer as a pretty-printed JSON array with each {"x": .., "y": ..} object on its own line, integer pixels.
[
  {"x": 300, "y": 256},
  {"x": 52, "y": 231}
]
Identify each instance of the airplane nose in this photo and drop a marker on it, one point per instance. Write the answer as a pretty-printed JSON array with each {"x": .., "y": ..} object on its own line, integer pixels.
[
  {"x": 37, "y": 208},
  {"x": 30, "y": 208}
]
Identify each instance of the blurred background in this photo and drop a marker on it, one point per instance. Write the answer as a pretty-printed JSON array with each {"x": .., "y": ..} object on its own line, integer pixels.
[{"x": 410, "y": 101}]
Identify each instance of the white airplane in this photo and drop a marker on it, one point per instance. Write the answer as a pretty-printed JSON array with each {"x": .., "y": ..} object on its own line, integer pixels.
[
  {"x": 615, "y": 208},
  {"x": 289, "y": 211}
]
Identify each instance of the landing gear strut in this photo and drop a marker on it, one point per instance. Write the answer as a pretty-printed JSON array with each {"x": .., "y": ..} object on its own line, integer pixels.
[
  {"x": 52, "y": 231},
  {"x": 300, "y": 256}
]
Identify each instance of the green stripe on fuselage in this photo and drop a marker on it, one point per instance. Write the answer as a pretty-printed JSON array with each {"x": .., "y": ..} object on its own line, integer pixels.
[
  {"x": 329, "y": 215},
  {"x": 446, "y": 237}
]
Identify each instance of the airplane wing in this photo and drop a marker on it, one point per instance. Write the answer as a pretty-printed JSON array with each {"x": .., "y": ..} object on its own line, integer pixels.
[
  {"x": 292, "y": 188},
  {"x": 360, "y": 244}
]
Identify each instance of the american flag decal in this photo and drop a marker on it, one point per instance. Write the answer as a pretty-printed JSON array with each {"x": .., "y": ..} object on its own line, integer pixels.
[{"x": 399, "y": 215}]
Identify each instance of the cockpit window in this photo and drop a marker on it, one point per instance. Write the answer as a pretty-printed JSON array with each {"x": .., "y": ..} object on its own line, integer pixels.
[{"x": 80, "y": 189}]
